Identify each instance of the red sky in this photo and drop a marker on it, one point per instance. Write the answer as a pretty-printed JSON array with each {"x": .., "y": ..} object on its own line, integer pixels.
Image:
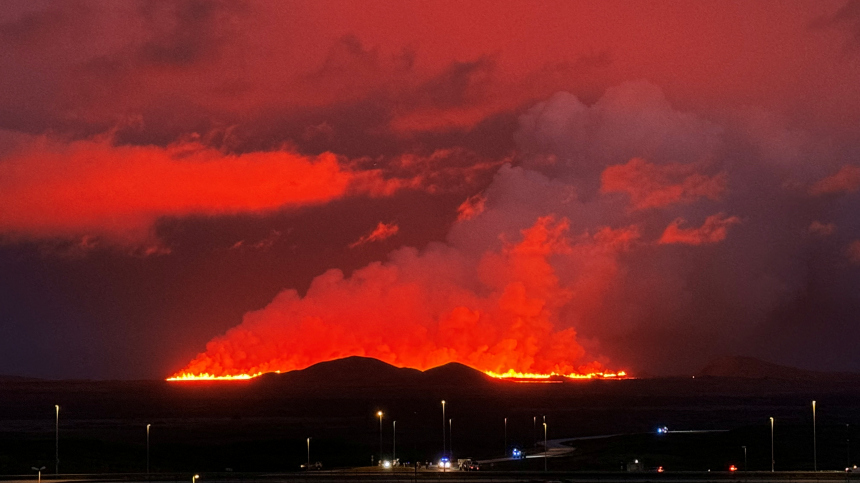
[{"x": 527, "y": 185}]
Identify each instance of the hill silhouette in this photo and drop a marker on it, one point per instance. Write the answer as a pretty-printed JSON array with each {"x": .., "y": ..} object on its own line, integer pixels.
[
  {"x": 364, "y": 372},
  {"x": 752, "y": 368},
  {"x": 455, "y": 373},
  {"x": 6, "y": 378}
]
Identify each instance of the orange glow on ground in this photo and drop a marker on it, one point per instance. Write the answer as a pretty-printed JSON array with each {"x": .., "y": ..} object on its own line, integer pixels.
[
  {"x": 511, "y": 375},
  {"x": 184, "y": 376},
  {"x": 533, "y": 377}
]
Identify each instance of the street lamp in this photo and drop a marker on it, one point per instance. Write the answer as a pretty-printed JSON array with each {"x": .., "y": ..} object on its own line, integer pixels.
[
  {"x": 506, "y": 437},
  {"x": 443, "y": 435},
  {"x": 147, "y": 448},
  {"x": 393, "y": 442},
  {"x": 544, "y": 446},
  {"x": 771, "y": 445},
  {"x": 745, "y": 457},
  {"x": 814, "y": 441},
  {"x": 40, "y": 472},
  {"x": 379, "y": 413},
  {"x": 308, "y": 467},
  {"x": 194, "y": 478},
  {"x": 450, "y": 439},
  {"x": 443, "y": 428},
  {"x": 57, "y": 440},
  {"x": 534, "y": 429}
]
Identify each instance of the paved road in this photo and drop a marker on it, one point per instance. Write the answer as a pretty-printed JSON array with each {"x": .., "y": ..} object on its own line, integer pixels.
[{"x": 405, "y": 475}]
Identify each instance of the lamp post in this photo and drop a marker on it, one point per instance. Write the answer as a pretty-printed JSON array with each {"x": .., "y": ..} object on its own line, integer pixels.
[
  {"x": 771, "y": 445},
  {"x": 814, "y": 441},
  {"x": 450, "y": 440},
  {"x": 544, "y": 446},
  {"x": 57, "y": 440},
  {"x": 745, "y": 457},
  {"x": 393, "y": 442},
  {"x": 506, "y": 437},
  {"x": 379, "y": 413},
  {"x": 147, "y": 448},
  {"x": 40, "y": 472},
  {"x": 195, "y": 478},
  {"x": 443, "y": 434},
  {"x": 534, "y": 429},
  {"x": 308, "y": 467}
]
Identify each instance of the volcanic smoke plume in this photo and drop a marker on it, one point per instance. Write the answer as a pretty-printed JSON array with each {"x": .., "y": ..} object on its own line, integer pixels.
[
  {"x": 619, "y": 226},
  {"x": 496, "y": 313},
  {"x": 504, "y": 294}
]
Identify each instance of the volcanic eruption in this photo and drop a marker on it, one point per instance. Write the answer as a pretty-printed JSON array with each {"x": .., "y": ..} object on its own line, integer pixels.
[{"x": 497, "y": 313}]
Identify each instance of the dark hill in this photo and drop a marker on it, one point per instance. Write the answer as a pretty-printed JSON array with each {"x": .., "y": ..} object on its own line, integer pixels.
[
  {"x": 352, "y": 371},
  {"x": 4, "y": 378},
  {"x": 752, "y": 368},
  {"x": 364, "y": 372},
  {"x": 455, "y": 373}
]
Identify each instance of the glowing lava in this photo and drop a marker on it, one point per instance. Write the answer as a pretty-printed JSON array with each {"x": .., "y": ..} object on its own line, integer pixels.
[
  {"x": 513, "y": 375},
  {"x": 184, "y": 376},
  {"x": 510, "y": 375}
]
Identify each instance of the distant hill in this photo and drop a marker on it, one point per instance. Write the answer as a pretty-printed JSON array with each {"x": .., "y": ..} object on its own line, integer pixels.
[
  {"x": 454, "y": 373},
  {"x": 752, "y": 368},
  {"x": 4, "y": 378},
  {"x": 365, "y": 372}
]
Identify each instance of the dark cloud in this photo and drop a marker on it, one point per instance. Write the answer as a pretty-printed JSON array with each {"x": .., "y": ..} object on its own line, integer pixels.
[{"x": 187, "y": 32}]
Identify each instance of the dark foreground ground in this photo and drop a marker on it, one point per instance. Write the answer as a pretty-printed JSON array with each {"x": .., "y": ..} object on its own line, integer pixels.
[
  {"x": 467, "y": 477},
  {"x": 221, "y": 430}
]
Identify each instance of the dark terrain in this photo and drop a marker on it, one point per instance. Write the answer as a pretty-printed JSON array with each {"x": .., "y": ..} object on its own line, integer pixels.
[{"x": 263, "y": 424}]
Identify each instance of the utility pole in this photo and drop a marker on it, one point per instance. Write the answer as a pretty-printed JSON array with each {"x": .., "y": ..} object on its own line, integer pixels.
[
  {"x": 544, "y": 446},
  {"x": 814, "y": 441},
  {"x": 147, "y": 448},
  {"x": 443, "y": 435},
  {"x": 450, "y": 438},
  {"x": 506, "y": 438},
  {"x": 379, "y": 413},
  {"x": 771, "y": 445},
  {"x": 57, "y": 440}
]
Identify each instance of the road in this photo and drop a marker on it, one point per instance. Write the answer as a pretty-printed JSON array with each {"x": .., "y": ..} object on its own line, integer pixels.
[{"x": 407, "y": 475}]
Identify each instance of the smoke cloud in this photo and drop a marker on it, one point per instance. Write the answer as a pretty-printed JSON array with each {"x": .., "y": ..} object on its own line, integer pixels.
[
  {"x": 547, "y": 269},
  {"x": 92, "y": 188},
  {"x": 381, "y": 232},
  {"x": 846, "y": 180},
  {"x": 651, "y": 186},
  {"x": 713, "y": 230}
]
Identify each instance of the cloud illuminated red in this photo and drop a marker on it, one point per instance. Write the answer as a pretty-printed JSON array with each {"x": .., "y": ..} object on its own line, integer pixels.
[
  {"x": 713, "y": 230},
  {"x": 653, "y": 186},
  {"x": 381, "y": 232},
  {"x": 846, "y": 180},
  {"x": 50, "y": 189}
]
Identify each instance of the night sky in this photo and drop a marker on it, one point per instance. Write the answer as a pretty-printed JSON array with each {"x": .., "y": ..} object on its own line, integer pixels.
[{"x": 236, "y": 187}]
